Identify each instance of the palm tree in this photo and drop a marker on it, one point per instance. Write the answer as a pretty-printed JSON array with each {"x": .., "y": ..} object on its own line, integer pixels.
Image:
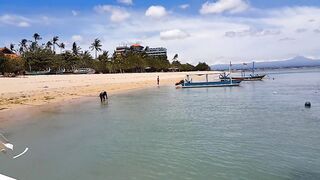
[
  {"x": 48, "y": 45},
  {"x": 105, "y": 54},
  {"x": 86, "y": 53},
  {"x": 12, "y": 47},
  {"x": 33, "y": 46},
  {"x": 62, "y": 46},
  {"x": 175, "y": 57},
  {"x": 21, "y": 50},
  {"x": 55, "y": 39},
  {"x": 75, "y": 48},
  {"x": 96, "y": 45},
  {"x": 36, "y": 37},
  {"x": 23, "y": 45}
]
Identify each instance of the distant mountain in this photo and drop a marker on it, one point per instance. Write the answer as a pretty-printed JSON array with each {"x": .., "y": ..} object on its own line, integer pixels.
[{"x": 299, "y": 61}]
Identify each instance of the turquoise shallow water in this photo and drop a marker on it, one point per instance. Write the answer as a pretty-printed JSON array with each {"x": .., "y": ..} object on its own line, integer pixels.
[{"x": 260, "y": 130}]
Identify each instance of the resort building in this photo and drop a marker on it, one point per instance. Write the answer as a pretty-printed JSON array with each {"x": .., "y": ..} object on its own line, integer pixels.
[
  {"x": 159, "y": 51},
  {"x": 8, "y": 53},
  {"x": 137, "y": 48},
  {"x": 122, "y": 50}
]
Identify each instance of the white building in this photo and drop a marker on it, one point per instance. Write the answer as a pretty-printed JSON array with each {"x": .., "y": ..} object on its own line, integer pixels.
[
  {"x": 155, "y": 52},
  {"x": 159, "y": 51}
]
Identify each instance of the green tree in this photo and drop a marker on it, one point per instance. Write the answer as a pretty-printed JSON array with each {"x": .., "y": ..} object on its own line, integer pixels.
[
  {"x": 8, "y": 65},
  {"x": 175, "y": 57},
  {"x": 55, "y": 40},
  {"x": 187, "y": 67},
  {"x": 176, "y": 64},
  {"x": 202, "y": 66},
  {"x": 118, "y": 63},
  {"x": 40, "y": 59},
  {"x": 23, "y": 45},
  {"x": 12, "y": 47},
  {"x": 86, "y": 60},
  {"x": 2, "y": 61},
  {"x": 62, "y": 46},
  {"x": 75, "y": 49},
  {"x": 33, "y": 46},
  {"x": 70, "y": 61},
  {"x": 96, "y": 46},
  {"x": 36, "y": 37},
  {"x": 103, "y": 63},
  {"x": 49, "y": 45}
]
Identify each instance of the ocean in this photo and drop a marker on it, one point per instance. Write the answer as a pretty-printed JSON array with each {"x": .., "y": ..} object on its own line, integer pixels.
[{"x": 260, "y": 130}]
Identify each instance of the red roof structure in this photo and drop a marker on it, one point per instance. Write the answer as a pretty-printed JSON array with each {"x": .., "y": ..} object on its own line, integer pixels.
[{"x": 7, "y": 52}]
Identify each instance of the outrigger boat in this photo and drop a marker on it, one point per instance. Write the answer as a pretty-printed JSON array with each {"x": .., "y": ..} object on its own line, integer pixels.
[
  {"x": 84, "y": 71},
  {"x": 188, "y": 83},
  {"x": 38, "y": 72},
  {"x": 243, "y": 77},
  {"x": 251, "y": 77}
]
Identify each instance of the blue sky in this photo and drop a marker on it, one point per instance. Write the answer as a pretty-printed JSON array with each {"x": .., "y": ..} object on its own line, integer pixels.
[
  {"x": 215, "y": 31},
  {"x": 9, "y": 5}
]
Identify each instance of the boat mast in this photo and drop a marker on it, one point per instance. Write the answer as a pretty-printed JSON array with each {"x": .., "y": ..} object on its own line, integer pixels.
[
  {"x": 230, "y": 68},
  {"x": 253, "y": 68}
]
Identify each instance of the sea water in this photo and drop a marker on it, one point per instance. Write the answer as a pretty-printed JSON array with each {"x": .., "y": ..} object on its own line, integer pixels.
[{"x": 260, "y": 130}]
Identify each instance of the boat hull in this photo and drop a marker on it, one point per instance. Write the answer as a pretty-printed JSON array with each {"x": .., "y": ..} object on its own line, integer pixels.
[
  {"x": 211, "y": 84},
  {"x": 248, "y": 78},
  {"x": 34, "y": 73},
  {"x": 84, "y": 71}
]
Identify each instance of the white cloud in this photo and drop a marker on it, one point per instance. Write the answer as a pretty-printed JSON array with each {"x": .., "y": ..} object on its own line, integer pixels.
[
  {"x": 266, "y": 34},
  {"x": 316, "y": 30},
  {"x": 156, "y": 12},
  {"x": 253, "y": 32},
  {"x": 118, "y": 14},
  {"x": 77, "y": 38},
  {"x": 184, "y": 6},
  {"x": 301, "y": 30},
  {"x": 45, "y": 20},
  {"x": 287, "y": 39},
  {"x": 23, "y": 24},
  {"x": 15, "y": 20},
  {"x": 221, "y": 6},
  {"x": 75, "y": 13},
  {"x": 173, "y": 34},
  {"x": 126, "y": 2},
  {"x": 200, "y": 38}
]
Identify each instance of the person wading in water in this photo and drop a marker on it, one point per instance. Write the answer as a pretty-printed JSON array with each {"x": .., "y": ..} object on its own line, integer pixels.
[{"x": 103, "y": 96}]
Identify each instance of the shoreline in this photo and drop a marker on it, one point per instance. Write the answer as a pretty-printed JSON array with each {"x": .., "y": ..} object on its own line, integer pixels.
[
  {"x": 19, "y": 114},
  {"x": 31, "y": 94}
]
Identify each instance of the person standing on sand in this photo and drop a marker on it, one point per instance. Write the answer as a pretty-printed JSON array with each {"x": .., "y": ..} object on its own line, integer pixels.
[{"x": 158, "y": 80}]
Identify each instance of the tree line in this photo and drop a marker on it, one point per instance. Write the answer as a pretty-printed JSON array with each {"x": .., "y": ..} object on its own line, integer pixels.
[{"x": 36, "y": 56}]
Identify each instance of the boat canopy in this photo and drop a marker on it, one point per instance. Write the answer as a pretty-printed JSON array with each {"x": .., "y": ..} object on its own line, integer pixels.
[{"x": 204, "y": 74}]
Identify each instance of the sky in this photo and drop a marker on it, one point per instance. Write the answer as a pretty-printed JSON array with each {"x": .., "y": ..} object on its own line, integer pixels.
[{"x": 214, "y": 31}]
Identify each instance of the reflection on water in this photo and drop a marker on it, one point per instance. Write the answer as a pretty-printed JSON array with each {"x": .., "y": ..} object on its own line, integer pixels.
[{"x": 246, "y": 132}]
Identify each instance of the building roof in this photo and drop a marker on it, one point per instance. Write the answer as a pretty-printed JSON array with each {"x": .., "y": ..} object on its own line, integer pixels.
[
  {"x": 136, "y": 45},
  {"x": 6, "y": 50},
  {"x": 8, "y": 53}
]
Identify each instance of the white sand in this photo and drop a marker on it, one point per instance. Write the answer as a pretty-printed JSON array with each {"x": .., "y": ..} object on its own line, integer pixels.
[{"x": 38, "y": 90}]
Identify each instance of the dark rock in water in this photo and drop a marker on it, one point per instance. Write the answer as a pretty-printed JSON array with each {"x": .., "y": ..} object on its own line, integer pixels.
[{"x": 307, "y": 104}]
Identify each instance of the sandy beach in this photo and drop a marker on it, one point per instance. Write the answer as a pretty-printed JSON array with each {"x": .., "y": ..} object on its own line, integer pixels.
[{"x": 26, "y": 91}]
